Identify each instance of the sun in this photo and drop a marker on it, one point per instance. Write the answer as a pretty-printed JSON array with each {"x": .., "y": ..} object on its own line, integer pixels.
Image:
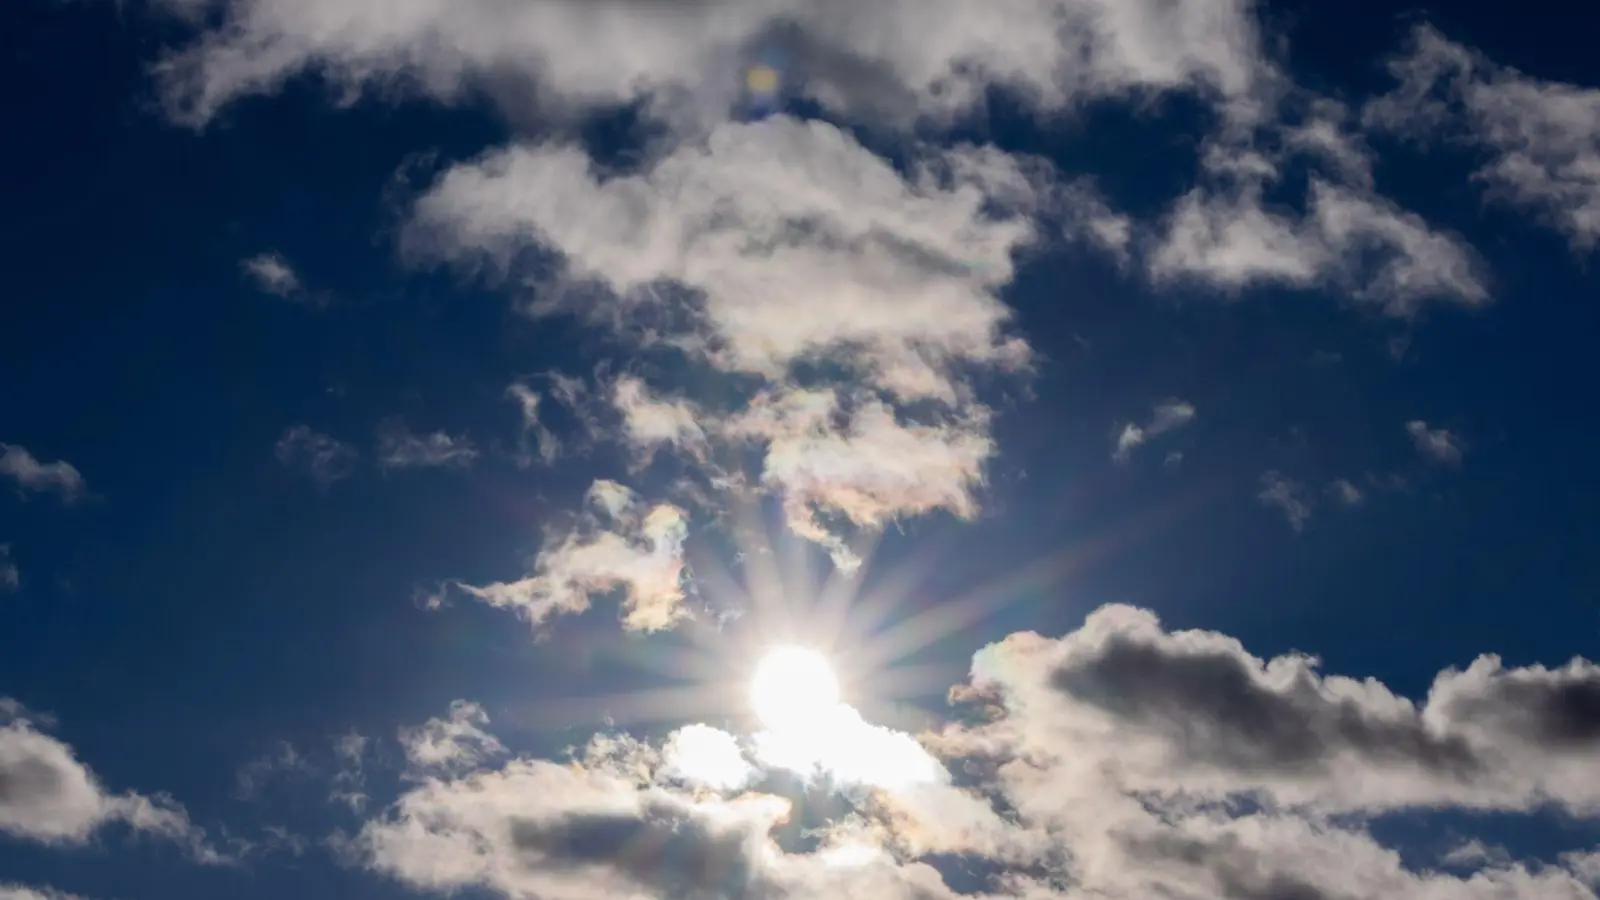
[{"x": 793, "y": 689}]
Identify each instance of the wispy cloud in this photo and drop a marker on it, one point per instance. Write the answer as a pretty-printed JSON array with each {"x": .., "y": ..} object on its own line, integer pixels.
[
  {"x": 1437, "y": 445},
  {"x": 1168, "y": 415},
  {"x": 399, "y": 448},
  {"x": 1288, "y": 497},
  {"x": 10, "y": 578},
  {"x": 325, "y": 458}
]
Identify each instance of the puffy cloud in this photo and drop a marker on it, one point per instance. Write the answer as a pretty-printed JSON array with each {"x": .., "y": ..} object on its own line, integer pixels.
[
  {"x": 453, "y": 745},
  {"x": 1168, "y": 415},
  {"x": 1348, "y": 239},
  {"x": 928, "y": 56},
  {"x": 1288, "y": 497},
  {"x": 324, "y": 457},
  {"x": 1542, "y": 138},
  {"x": 617, "y": 544},
  {"x": 272, "y": 274},
  {"x": 1194, "y": 712},
  {"x": 399, "y": 448},
  {"x": 33, "y": 476},
  {"x": 48, "y": 795},
  {"x": 1438, "y": 445}
]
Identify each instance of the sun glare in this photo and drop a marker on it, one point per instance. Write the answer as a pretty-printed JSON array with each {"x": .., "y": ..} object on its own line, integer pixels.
[{"x": 793, "y": 690}]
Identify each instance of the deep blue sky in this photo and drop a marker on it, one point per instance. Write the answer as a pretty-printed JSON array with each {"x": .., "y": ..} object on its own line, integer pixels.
[{"x": 205, "y": 601}]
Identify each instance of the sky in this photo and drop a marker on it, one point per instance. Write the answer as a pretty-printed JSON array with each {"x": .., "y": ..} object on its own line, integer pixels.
[{"x": 798, "y": 449}]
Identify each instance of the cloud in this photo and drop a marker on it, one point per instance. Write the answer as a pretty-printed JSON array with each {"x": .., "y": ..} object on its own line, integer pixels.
[
  {"x": 528, "y": 401},
  {"x": 1168, "y": 415},
  {"x": 272, "y": 274},
  {"x": 617, "y": 544},
  {"x": 1438, "y": 445},
  {"x": 399, "y": 448},
  {"x": 1288, "y": 497},
  {"x": 1348, "y": 240},
  {"x": 1539, "y": 136},
  {"x": 33, "y": 476},
  {"x": 48, "y": 796},
  {"x": 254, "y": 775},
  {"x": 23, "y": 892},
  {"x": 325, "y": 458},
  {"x": 450, "y": 746},
  {"x": 10, "y": 578},
  {"x": 1346, "y": 493},
  {"x": 881, "y": 59}
]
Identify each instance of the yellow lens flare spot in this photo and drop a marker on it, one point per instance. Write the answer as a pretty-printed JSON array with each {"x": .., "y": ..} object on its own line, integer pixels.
[{"x": 761, "y": 79}]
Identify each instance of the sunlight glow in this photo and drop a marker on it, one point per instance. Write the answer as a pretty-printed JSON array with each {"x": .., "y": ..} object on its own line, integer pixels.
[
  {"x": 809, "y": 731},
  {"x": 794, "y": 690}
]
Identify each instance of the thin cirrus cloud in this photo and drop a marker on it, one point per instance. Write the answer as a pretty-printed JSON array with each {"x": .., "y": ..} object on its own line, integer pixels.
[
  {"x": 1437, "y": 445},
  {"x": 1167, "y": 416},
  {"x": 325, "y": 458},
  {"x": 400, "y": 448}
]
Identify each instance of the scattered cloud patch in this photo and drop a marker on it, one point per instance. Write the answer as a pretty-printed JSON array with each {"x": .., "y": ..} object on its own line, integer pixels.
[
  {"x": 1288, "y": 497},
  {"x": 544, "y": 441},
  {"x": 1346, "y": 493},
  {"x": 272, "y": 274},
  {"x": 1539, "y": 136},
  {"x": 32, "y": 476},
  {"x": 48, "y": 796},
  {"x": 1437, "y": 445},
  {"x": 325, "y": 458},
  {"x": 618, "y": 544},
  {"x": 1169, "y": 415},
  {"x": 399, "y": 448}
]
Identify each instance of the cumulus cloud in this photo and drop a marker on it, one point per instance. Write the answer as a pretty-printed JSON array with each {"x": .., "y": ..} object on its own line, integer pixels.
[
  {"x": 272, "y": 274},
  {"x": 1540, "y": 137},
  {"x": 1168, "y": 415},
  {"x": 400, "y": 448},
  {"x": 618, "y": 544},
  {"x": 1288, "y": 497},
  {"x": 48, "y": 795},
  {"x": 324, "y": 457},
  {"x": 32, "y": 476},
  {"x": 1437, "y": 445}
]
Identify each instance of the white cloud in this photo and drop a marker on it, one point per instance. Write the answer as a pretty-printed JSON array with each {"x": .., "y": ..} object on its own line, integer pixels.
[
  {"x": 617, "y": 545},
  {"x": 1542, "y": 137},
  {"x": 1438, "y": 445},
  {"x": 47, "y": 795},
  {"x": 325, "y": 458},
  {"x": 399, "y": 448},
  {"x": 450, "y": 746},
  {"x": 31, "y": 475},
  {"x": 272, "y": 274},
  {"x": 1168, "y": 415},
  {"x": 1348, "y": 240},
  {"x": 879, "y": 59},
  {"x": 1288, "y": 497},
  {"x": 699, "y": 755},
  {"x": 23, "y": 892}
]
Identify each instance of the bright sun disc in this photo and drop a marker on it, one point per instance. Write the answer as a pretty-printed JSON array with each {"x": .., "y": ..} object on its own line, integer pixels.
[{"x": 793, "y": 688}]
